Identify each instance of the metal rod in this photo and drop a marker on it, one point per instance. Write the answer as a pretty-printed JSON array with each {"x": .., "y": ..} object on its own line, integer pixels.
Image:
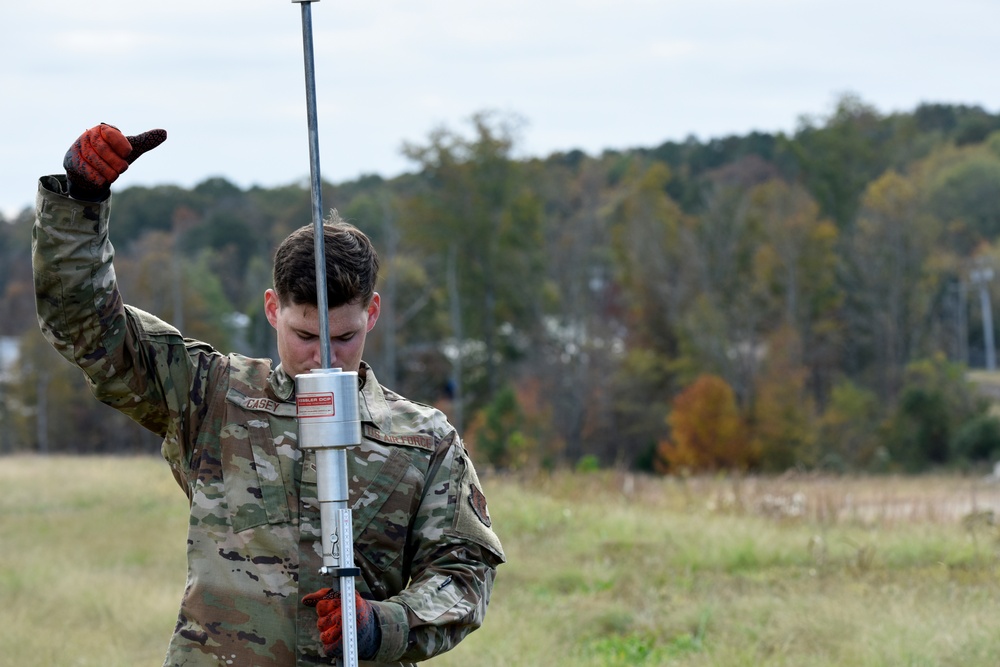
[
  {"x": 331, "y": 460},
  {"x": 315, "y": 180}
]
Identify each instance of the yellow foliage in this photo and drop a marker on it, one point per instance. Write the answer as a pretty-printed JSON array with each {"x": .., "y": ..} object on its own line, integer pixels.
[
  {"x": 708, "y": 431},
  {"x": 783, "y": 433}
]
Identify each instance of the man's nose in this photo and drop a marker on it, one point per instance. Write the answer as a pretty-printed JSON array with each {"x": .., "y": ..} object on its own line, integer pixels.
[{"x": 317, "y": 356}]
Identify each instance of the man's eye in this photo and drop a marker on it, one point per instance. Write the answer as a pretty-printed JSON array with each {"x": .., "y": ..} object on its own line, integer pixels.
[{"x": 306, "y": 336}]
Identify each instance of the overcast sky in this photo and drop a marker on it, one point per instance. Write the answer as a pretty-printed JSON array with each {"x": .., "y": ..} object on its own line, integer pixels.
[{"x": 225, "y": 77}]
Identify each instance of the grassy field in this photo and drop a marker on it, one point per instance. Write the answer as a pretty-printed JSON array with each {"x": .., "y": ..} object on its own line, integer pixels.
[{"x": 605, "y": 569}]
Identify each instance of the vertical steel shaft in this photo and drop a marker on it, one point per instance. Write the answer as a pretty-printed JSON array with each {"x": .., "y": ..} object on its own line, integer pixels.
[
  {"x": 331, "y": 458},
  {"x": 315, "y": 181}
]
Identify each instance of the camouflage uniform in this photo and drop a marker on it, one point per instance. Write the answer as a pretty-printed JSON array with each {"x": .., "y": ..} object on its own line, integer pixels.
[{"x": 421, "y": 527}]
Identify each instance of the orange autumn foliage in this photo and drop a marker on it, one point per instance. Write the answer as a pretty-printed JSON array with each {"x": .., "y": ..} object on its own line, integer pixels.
[{"x": 707, "y": 430}]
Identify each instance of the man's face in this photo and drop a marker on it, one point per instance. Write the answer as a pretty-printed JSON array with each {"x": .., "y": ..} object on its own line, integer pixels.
[{"x": 298, "y": 333}]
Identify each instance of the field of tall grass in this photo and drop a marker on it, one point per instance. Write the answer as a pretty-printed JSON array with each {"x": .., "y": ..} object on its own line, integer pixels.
[{"x": 604, "y": 569}]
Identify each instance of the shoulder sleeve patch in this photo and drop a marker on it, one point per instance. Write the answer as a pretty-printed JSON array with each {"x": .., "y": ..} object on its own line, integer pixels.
[
  {"x": 472, "y": 520},
  {"x": 478, "y": 502}
]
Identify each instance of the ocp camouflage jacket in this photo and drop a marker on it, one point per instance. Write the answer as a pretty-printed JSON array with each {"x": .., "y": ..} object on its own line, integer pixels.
[{"x": 422, "y": 532}]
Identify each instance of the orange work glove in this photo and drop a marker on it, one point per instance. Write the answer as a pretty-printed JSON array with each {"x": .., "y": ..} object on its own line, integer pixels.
[
  {"x": 329, "y": 622},
  {"x": 101, "y": 155}
]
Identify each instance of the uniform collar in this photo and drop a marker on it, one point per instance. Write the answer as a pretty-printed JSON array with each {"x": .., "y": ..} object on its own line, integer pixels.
[
  {"x": 282, "y": 385},
  {"x": 374, "y": 407}
]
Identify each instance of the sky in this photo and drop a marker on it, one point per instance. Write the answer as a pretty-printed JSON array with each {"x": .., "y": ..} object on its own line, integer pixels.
[{"x": 225, "y": 78}]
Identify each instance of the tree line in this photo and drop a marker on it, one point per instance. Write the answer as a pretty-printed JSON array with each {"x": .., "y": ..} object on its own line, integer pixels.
[{"x": 814, "y": 299}]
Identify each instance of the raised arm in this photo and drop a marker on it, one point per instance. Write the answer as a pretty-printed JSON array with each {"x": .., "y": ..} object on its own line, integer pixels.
[{"x": 133, "y": 361}]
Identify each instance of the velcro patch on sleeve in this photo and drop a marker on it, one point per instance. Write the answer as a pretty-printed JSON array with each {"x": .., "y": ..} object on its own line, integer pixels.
[
  {"x": 472, "y": 520},
  {"x": 478, "y": 502}
]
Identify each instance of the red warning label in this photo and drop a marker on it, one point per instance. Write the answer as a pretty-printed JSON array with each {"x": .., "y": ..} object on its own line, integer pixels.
[{"x": 314, "y": 405}]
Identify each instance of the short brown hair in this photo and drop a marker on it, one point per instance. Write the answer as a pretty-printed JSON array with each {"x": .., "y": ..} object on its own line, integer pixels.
[{"x": 351, "y": 265}]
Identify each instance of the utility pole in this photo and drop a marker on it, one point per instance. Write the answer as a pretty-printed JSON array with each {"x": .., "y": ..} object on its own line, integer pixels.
[
  {"x": 963, "y": 323},
  {"x": 981, "y": 277}
]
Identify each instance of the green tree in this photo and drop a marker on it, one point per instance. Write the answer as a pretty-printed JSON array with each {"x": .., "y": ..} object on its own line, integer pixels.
[
  {"x": 935, "y": 400},
  {"x": 481, "y": 225},
  {"x": 961, "y": 191},
  {"x": 648, "y": 238},
  {"x": 182, "y": 291},
  {"x": 586, "y": 377},
  {"x": 651, "y": 240},
  {"x": 977, "y": 440},
  {"x": 496, "y": 430},
  {"x": 796, "y": 262},
  {"x": 138, "y": 210},
  {"x": 727, "y": 309},
  {"x": 839, "y": 155},
  {"x": 53, "y": 410},
  {"x": 783, "y": 434},
  {"x": 892, "y": 280},
  {"x": 515, "y": 429},
  {"x": 848, "y": 427}
]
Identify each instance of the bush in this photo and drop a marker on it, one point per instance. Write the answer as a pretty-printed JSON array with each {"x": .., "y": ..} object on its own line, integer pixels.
[
  {"x": 936, "y": 400},
  {"x": 978, "y": 439}
]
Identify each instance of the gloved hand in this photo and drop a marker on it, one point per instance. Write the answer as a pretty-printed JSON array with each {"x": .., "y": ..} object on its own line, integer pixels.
[
  {"x": 101, "y": 155},
  {"x": 329, "y": 622}
]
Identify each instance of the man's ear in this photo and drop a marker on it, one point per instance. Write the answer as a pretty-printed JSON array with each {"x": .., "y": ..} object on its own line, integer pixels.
[
  {"x": 374, "y": 308},
  {"x": 271, "y": 307}
]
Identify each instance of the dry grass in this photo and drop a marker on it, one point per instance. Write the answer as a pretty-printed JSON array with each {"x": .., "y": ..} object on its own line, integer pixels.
[
  {"x": 92, "y": 566},
  {"x": 605, "y": 569},
  {"x": 612, "y": 569}
]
